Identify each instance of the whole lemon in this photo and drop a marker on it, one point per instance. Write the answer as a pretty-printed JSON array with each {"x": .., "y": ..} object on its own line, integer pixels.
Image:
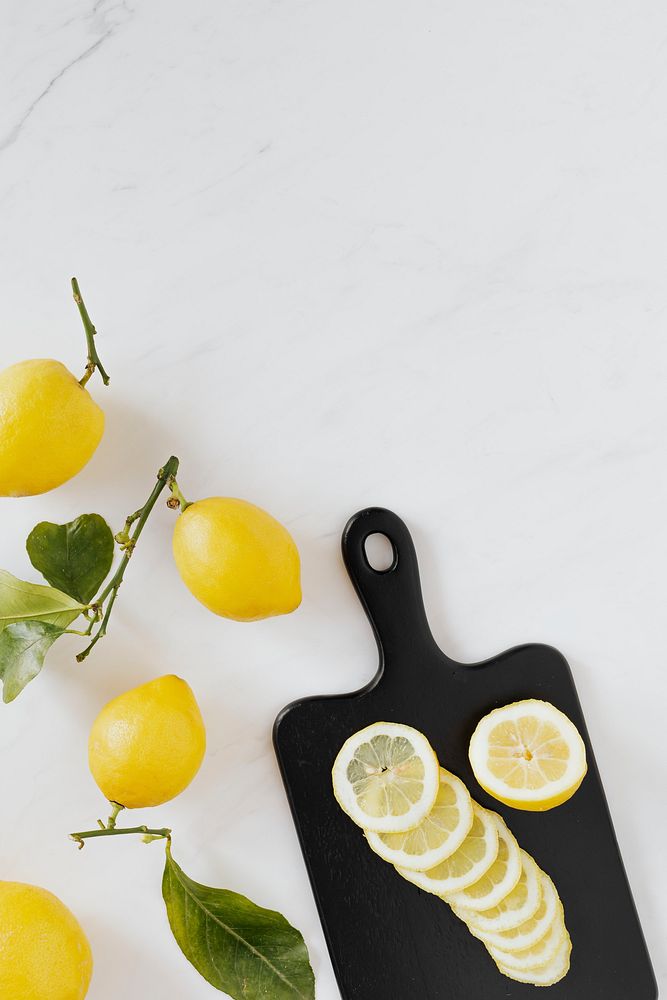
[
  {"x": 237, "y": 560},
  {"x": 44, "y": 954},
  {"x": 49, "y": 427},
  {"x": 146, "y": 745}
]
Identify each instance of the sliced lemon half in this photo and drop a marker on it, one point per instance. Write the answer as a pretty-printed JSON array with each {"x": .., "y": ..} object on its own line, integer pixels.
[
  {"x": 519, "y": 905},
  {"x": 531, "y": 931},
  {"x": 466, "y": 865},
  {"x": 386, "y": 777},
  {"x": 540, "y": 954},
  {"x": 546, "y": 975},
  {"x": 528, "y": 755},
  {"x": 496, "y": 883},
  {"x": 438, "y": 835}
]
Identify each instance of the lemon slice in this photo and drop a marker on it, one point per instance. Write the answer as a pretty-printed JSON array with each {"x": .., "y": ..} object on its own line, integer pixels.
[
  {"x": 475, "y": 856},
  {"x": 540, "y": 954},
  {"x": 437, "y": 837},
  {"x": 531, "y": 931},
  {"x": 546, "y": 975},
  {"x": 521, "y": 904},
  {"x": 386, "y": 777},
  {"x": 528, "y": 755},
  {"x": 499, "y": 880}
]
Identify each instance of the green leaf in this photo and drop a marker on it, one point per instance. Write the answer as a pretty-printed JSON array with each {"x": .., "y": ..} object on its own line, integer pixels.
[
  {"x": 73, "y": 557},
  {"x": 21, "y": 601},
  {"x": 23, "y": 647},
  {"x": 240, "y": 948}
]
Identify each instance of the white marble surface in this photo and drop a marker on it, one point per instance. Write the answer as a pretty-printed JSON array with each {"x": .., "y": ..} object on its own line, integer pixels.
[{"x": 412, "y": 254}]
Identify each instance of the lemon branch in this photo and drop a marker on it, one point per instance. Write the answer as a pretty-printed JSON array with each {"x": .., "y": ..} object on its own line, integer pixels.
[
  {"x": 109, "y": 829},
  {"x": 148, "y": 834},
  {"x": 93, "y": 357},
  {"x": 127, "y": 539}
]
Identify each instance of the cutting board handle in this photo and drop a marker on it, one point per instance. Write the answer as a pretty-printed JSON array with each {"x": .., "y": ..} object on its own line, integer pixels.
[{"x": 391, "y": 598}]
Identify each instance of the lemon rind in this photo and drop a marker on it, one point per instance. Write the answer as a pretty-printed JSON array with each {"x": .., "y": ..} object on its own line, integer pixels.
[
  {"x": 422, "y": 880},
  {"x": 547, "y": 975},
  {"x": 551, "y": 942},
  {"x": 496, "y": 939},
  {"x": 504, "y": 887},
  {"x": 510, "y": 919}
]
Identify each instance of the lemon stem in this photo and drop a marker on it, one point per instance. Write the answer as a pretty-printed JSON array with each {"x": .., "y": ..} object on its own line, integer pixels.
[
  {"x": 128, "y": 543},
  {"x": 93, "y": 361},
  {"x": 147, "y": 833},
  {"x": 116, "y": 807},
  {"x": 177, "y": 499}
]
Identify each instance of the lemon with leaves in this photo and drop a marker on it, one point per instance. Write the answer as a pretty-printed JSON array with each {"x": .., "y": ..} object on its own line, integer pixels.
[
  {"x": 50, "y": 425},
  {"x": 237, "y": 559},
  {"x": 44, "y": 953},
  {"x": 146, "y": 745}
]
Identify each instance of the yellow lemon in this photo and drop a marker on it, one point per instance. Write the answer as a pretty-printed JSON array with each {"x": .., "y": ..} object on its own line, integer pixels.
[
  {"x": 146, "y": 745},
  {"x": 44, "y": 954},
  {"x": 49, "y": 427},
  {"x": 237, "y": 560}
]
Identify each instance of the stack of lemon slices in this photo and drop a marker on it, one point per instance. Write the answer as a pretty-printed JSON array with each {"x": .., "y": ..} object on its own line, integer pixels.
[{"x": 421, "y": 819}]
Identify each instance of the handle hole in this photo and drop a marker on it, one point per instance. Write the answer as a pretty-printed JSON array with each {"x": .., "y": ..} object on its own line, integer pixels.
[{"x": 380, "y": 552}]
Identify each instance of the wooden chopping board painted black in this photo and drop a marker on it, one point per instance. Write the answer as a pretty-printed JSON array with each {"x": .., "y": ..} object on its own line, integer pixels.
[{"x": 389, "y": 940}]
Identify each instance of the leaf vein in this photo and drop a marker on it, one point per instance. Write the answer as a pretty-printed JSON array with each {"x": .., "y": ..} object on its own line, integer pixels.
[{"x": 238, "y": 938}]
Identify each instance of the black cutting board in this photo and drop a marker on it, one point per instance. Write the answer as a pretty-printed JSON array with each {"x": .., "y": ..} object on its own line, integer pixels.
[{"x": 389, "y": 940}]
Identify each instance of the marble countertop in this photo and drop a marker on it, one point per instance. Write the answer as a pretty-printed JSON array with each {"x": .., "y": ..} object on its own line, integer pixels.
[{"x": 341, "y": 254}]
